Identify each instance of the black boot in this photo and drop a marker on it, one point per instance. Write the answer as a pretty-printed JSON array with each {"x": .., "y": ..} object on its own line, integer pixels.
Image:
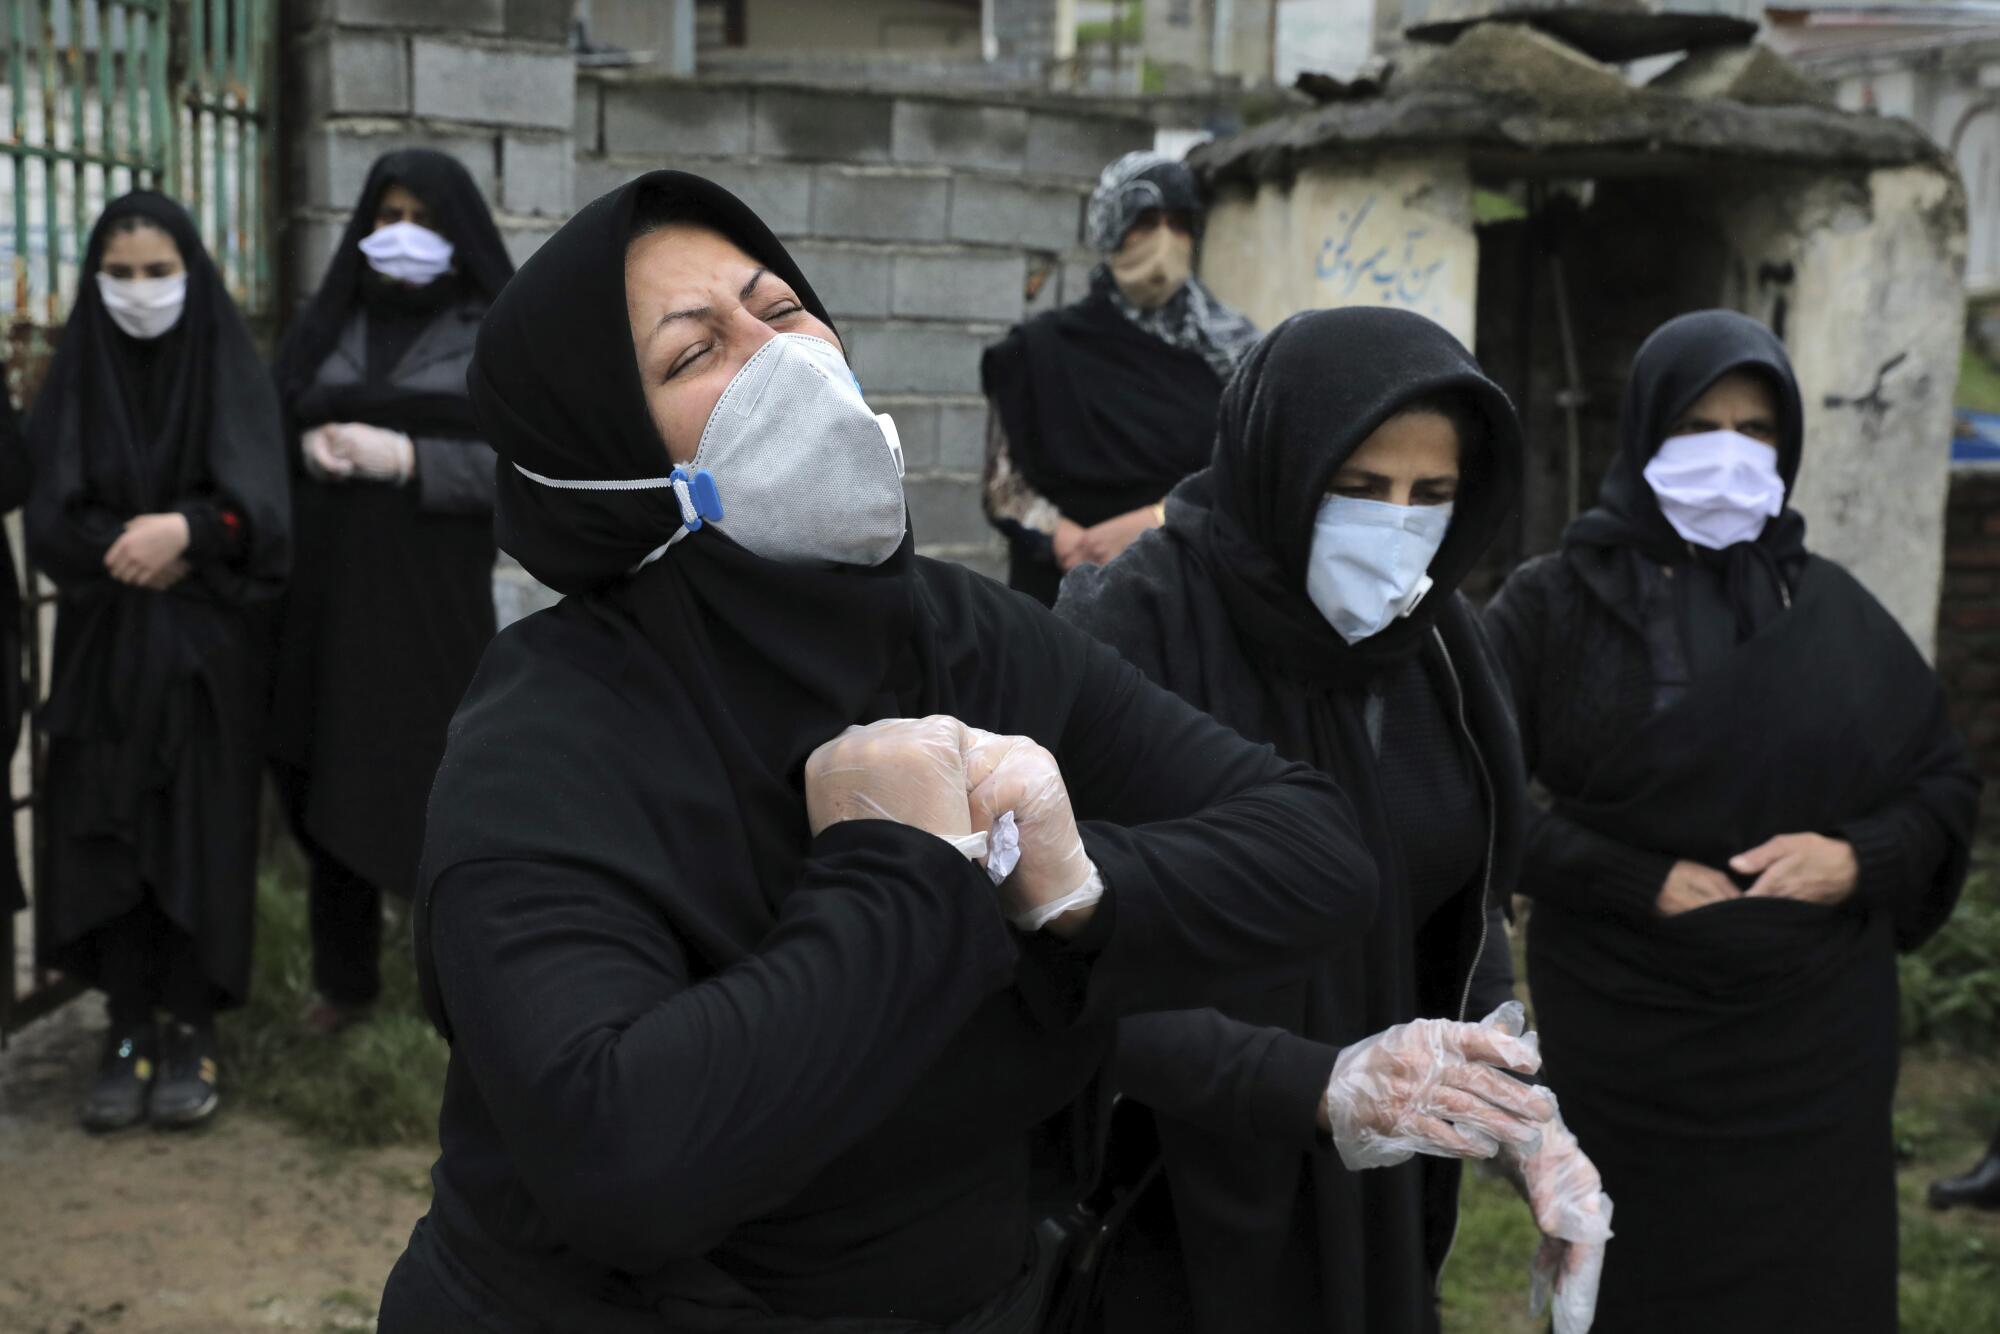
[
  {"x": 124, "y": 1077},
  {"x": 1978, "y": 1189},
  {"x": 186, "y": 1093}
]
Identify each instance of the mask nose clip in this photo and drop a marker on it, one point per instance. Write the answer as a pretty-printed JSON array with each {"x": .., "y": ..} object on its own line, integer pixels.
[{"x": 699, "y": 497}]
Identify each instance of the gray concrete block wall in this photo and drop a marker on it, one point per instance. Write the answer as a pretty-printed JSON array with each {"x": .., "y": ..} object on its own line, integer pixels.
[
  {"x": 491, "y": 82},
  {"x": 927, "y": 222}
]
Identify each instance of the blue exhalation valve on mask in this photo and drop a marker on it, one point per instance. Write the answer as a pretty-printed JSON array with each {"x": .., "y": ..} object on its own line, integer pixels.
[{"x": 701, "y": 500}]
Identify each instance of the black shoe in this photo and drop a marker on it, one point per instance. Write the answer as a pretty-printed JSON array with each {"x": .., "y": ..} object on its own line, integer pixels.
[
  {"x": 1979, "y": 1188},
  {"x": 124, "y": 1075},
  {"x": 186, "y": 1093}
]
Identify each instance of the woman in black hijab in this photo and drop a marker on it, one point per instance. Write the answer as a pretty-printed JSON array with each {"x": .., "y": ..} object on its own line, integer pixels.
[
  {"x": 393, "y": 600},
  {"x": 1304, "y": 592},
  {"x": 1757, "y": 800},
  {"x": 1099, "y": 408},
  {"x": 710, "y": 1071},
  {"x": 158, "y": 507}
]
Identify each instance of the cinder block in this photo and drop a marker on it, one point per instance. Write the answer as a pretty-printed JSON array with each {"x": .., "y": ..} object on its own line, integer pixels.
[
  {"x": 1081, "y": 146},
  {"x": 493, "y": 85},
  {"x": 916, "y": 427},
  {"x": 589, "y": 129},
  {"x": 333, "y": 159},
  {"x": 539, "y": 20},
  {"x": 781, "y": 193},
  {"x": 1009, "y": 213},
  {"x": 1042, "y": 289},
  {"x": 523, "y": 240},
  {"x": 830, "y": 126},
  {"x": 960, "y": 135},
  {"x": 516, "y": 593},
  {"x": 348, "y": 73},
  {"x": 535, "y": 174},
  {"x": 461, "y": 15},
  {"x": 958, "y": 286},
  {"x": 1076, "y": 276},
  {"x": 962, "y": 437},
  {"x": 676, "y": 119},
  {"x": 945, "y": 512},
  {"x": 915, "y": 359},
  {"x": 880, "y": 205},
  {"x": 850, "y": 280}
]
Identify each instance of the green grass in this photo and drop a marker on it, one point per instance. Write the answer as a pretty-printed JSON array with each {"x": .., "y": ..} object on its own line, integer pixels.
[
  {"x": 1978, "y": 381},
  {"x": 376, "y": 1083}
]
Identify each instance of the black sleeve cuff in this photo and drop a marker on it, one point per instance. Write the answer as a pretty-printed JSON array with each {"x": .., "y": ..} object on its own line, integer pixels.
[
  {"x": 1290, "y": 1088},
  {"x": 1878, "y": 856}
]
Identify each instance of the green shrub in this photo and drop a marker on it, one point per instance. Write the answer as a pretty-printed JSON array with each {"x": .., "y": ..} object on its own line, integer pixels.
[{"x": 1951, "y": 987}]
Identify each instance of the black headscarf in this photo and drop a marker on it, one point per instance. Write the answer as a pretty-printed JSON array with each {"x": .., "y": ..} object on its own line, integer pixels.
[
  {"x": 1304, "y": 400},
  {"x": 126, "y": 426},
  {"x": 1680, "y": 362},
  {"x": 555, "y": 382},
  {"x": 482, "y": 267}
]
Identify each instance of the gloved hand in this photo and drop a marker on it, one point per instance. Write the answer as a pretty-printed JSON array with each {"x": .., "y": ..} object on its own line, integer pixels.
[
  {"x": 1574, "y": 1214},
  {"x": 321, "y": 459},
  {"x": 1054, "y": 875},
  {"x": 1434, "y": 1086},
  {"x": 373, "y": 453},
  {"x": 909, "y": 770}
]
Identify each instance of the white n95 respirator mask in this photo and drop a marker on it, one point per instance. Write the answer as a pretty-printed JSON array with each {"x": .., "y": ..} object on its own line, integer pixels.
[
  {"x": 1370, "y": 562},
  {"x": 407, "y": 252},
  {"x": 144, "y": 307},
  {"x": 1717, "y": 488},
  {"x": 793, "y": 465}
]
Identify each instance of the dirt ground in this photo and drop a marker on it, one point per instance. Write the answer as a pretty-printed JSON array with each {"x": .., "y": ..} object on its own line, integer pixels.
[{"x": 241, "y": 1226}]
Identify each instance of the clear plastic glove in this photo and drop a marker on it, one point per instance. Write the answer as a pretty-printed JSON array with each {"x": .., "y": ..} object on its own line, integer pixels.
[
  {"x": 1574, "y": 1214},
  {"x": 1437, "y": 1087},
  {"x": 373, "y": 453},
  {"x": 1054, "y": 874},
  {"x": 909, "y": 770},
  {"x": 322, "y": 461}
]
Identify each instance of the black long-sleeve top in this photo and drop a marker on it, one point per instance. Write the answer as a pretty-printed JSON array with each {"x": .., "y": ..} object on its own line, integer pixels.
[
  {"x": 837, "y": 1122},
  {"x": 1548, "y": 627}
]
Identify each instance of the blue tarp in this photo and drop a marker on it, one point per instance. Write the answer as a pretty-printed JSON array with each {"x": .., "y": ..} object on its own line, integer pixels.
[{"x": 1977, "y": 439}]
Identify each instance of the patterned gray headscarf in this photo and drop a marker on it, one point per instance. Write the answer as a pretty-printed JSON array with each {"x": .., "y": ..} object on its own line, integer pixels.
[{"x": 1192, "y": 319}]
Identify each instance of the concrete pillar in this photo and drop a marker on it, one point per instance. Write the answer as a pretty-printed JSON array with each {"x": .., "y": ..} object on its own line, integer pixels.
[
  {"x": 1392, "y": 233},
  {"x": 1873, "y": 317}
]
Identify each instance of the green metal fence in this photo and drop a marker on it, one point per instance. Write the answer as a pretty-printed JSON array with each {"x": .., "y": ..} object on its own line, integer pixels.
[
  {"x": 103, "y": 95},
  {"x": 100, "y": 96}
]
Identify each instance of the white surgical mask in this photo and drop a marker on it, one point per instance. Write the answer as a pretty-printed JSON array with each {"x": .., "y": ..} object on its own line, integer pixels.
[
  {"x": 1717, "y": 488},
  {"x": 793, "y": 465},
  {"x": 144, "y": 307},
  {"x": 1370, "y": 562},
  {"x": 408, "y": 253}
]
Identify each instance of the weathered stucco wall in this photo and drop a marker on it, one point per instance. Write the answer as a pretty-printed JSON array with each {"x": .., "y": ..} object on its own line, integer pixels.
[
  {"x": 1387, "y": 233},
  {"x": 1873, "y": 318}
]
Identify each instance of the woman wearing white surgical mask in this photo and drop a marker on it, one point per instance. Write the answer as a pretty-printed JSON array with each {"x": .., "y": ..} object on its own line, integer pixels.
[
  {"x": 743, "y": 1037},
  {"x": 1758, "y": 799},
  {"x": 1305, "y": 592},
  {"x": 158, "y": 506},
  {"x": 1099, "y": 408},
  {"x": 393, "y": 600}
]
